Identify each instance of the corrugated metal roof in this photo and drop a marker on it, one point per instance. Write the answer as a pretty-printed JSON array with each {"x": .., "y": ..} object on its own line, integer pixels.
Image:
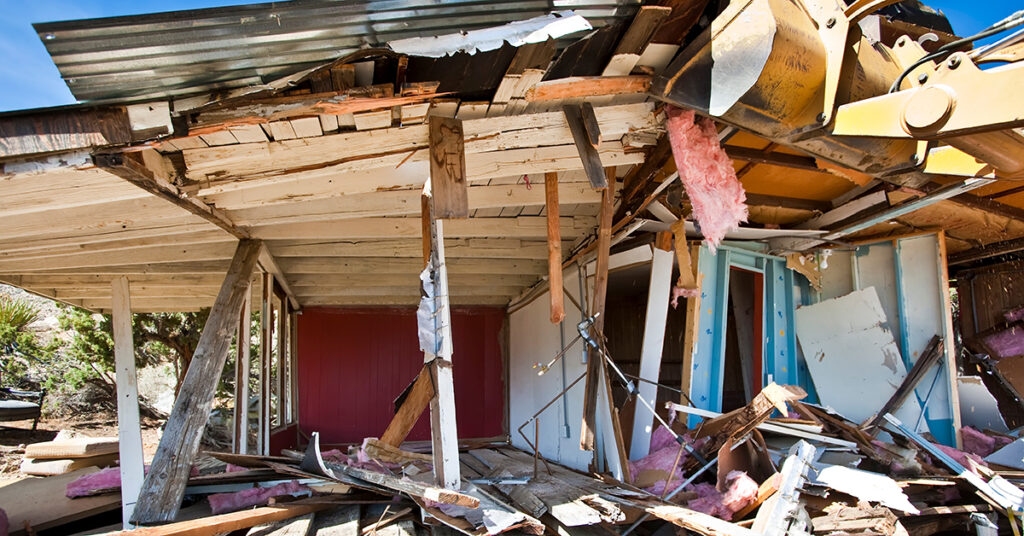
[{"x": 187, "y": 52}]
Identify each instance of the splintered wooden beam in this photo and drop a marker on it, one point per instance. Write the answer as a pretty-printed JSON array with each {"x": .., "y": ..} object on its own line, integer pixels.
[
  {"x": 554, "y": 248},
  {"x": 584, "y": 128},
  {"x": 415, "y": 400},
  {"x": 448, "y": 168},
  {"x": 132, "y": 168},
  {"x": 164, "y": 486},
  {"x": 595, "y": 365},
  {"x": 580, "y": 87}
]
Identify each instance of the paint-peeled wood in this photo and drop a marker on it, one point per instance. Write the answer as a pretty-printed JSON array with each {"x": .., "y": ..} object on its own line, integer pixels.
[{"x": 719, "y": 202}]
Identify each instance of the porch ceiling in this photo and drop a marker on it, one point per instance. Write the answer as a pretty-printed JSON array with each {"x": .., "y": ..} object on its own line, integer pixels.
[{"x": 328, "y": 173}]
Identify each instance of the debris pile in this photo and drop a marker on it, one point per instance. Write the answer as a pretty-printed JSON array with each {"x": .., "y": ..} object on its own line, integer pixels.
[{"x": 807, "y": 470}]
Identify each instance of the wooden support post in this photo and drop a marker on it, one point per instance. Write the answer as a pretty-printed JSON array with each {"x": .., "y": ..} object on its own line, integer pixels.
[
  {"x": 583, "y": 134},
  {"x": 595, "y": 364},
  {"x": 242, "y": 360},
  {"x": 129, "y": 433},
  {"x": 266, "y": 348},
  {"x": 164, "y": 486},
  {"x": 653, "y": 343},
  {"x": 554, "y": 248},
  {"x": 425, "y": 221},
  {"x": 448, "y": 169},
  {"x": 443, "y": 430}
]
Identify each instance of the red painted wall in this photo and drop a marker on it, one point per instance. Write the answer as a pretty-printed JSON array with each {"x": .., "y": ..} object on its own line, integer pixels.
[{"x": 354, "y": 362}]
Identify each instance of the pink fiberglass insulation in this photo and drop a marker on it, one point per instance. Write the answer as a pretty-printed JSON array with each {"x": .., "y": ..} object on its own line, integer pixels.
[
  {"x": 232, "y": 468},
  {"x": 104, "y": 479},
  {"x": 976, "y": 442},
  {"x": 741, "y": 492},
  {"x": 1006, "y": 343},
  {"x": 718, "y": 200},
  {"x": 1014, "y": 315},
  {"x": 221, "y": 503},
  {"x": 84, "y": 486},
  {"x": 651, "y": 472},
  {"x": 662, "y": 438},
  {"x": 961, "y": 457}
]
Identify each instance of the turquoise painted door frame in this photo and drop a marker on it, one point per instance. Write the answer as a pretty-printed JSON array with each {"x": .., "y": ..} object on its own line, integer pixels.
[{"x": 779, "y": 351}]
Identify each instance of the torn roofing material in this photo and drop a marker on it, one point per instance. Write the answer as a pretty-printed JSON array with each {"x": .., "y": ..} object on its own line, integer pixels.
[
  {"x": 195, "y": 51},
  {"x": 518, "y": 33}
]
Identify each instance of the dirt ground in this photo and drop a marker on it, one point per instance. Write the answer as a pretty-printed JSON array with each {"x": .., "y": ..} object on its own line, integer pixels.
[{"x": 15, "y": 435}]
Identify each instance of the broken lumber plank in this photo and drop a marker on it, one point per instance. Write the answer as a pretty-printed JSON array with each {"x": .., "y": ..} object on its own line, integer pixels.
[
  {"x": 588, "y": 86},
  {"x": 578, "y": 125},
  {"x": 414, "y": 401},
  {"x": 164, "y": 486},
  {"x": 79, "y": 447},
  {"x": 372, "y": 527},
  {"x": 604, "y": 238},
  {"x": 448, "y": 182},
  {"x": 409, "y": 487},
  {"x": 697, "y": 522},
  {"x": 299, "y": 526},
  {"x": 554, "y": 248},
  {"x": 932, "y": 352},
  {"x": 764, "y": 491},
  {"x": 225, "y": 523},
  {"x": 41, "y": 503},
  {"x": 342, "y": 521},
  {"x": 738, "y": 423},
  {"x": 384, "y": 452}
]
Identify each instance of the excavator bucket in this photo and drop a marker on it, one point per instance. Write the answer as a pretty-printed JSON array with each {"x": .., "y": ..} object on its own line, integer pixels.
[{"x": 762, "y": 65}]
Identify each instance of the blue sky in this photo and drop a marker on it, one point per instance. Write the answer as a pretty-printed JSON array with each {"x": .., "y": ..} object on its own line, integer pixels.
[{"x": 30, "y": 79}]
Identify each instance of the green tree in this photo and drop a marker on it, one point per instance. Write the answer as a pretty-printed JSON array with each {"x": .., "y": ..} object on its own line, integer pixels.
[
  {"x": 158, "y": 337},
  {"x": 18, "y": 345}
]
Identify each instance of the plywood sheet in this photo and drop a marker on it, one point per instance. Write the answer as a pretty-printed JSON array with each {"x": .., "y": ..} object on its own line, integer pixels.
[
  {"x": 40, "y": 502},
  {"x": 851, "y": 355}
]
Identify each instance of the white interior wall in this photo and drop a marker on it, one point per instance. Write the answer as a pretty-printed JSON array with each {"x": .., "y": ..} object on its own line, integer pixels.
[{"x": 534, "y": 339}]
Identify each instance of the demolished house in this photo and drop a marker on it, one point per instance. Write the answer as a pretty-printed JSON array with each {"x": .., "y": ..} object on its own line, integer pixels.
[{"x": 559, "y": 268}]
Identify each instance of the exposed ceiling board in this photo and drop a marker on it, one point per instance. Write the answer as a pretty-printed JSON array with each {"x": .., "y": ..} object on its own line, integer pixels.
[
  {"x": 789, "y": 182},
  {"x": 956, "y": 220}
]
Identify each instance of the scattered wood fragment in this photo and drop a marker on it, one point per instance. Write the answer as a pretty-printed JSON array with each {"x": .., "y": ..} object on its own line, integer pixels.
[
  {"x": 224, "y": 523},
  {"x": 386, "y": 521},
  {"x": 78, "y": 447}
]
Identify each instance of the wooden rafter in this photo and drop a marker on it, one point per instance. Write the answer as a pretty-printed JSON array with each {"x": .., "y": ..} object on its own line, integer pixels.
[{"x": 132, "y": 168}]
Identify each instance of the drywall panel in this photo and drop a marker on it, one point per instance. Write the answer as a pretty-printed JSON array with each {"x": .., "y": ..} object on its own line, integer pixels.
[
  {"x": 534, "y": 339},
  {"x": 852, "y": 356},
  {"x": 908, "y": 274}
]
